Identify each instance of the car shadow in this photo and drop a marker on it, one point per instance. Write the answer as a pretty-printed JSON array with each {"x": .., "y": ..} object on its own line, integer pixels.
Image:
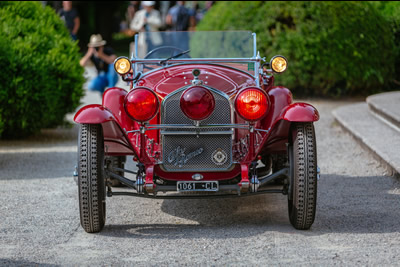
[
  {"x": 9, "y": 262},
  {"x": 345, "y": 205},
  {"x": 358, "y": 205}
]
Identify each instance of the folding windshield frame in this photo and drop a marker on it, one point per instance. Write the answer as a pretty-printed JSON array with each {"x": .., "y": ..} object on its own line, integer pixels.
[{"x": 256, "y": 59}]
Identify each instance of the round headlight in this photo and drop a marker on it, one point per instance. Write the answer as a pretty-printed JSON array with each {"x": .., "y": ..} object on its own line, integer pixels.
[
  {"x": 122, "y": 65},
  {"x": 141, "y": 104},
  {"x": 251, "y": 104},
  {"x": 278, "y": 64},
  {"x": 197, "y": 103}
]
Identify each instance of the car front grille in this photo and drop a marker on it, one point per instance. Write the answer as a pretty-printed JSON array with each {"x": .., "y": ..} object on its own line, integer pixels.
[{"x": 202, "y": 149}]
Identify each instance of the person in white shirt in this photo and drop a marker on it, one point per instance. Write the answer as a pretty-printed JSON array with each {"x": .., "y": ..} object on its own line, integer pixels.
[{"x": 147, "y": 20}]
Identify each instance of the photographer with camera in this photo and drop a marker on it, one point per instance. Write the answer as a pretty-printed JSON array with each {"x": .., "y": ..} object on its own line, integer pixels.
[{"x": 103, "y": 59}]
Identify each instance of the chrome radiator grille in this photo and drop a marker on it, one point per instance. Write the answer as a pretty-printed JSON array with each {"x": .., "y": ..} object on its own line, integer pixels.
[
  {"x": 203, "y": 149},
  {"x": 172, "y": 113},
  {"x": 189, "y": 153}
]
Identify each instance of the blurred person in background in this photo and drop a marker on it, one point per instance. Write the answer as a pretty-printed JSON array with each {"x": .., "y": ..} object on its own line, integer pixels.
[
  {"x": 103, "y": 59},
  {"x": 200, "y": 13},
  {"x": 147, "y": 19},
  {"x": 180, "y": 18},
  {"x": 131, "y": 10},
  {"x": 164, "y": 8},
  {"x": 71, "y": 19}
]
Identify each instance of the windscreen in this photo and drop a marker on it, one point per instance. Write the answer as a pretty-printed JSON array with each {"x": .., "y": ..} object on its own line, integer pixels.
[{"x": 213, "y": 44}]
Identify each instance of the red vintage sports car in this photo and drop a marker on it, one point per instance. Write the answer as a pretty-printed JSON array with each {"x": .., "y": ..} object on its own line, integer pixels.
[{"x": 203, "y": 118}]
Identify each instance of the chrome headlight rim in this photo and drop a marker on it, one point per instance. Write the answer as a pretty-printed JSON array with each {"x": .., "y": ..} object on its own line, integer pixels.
[
  {"x": 116, "y": 62},
  {"x": 271, "y": 65}
]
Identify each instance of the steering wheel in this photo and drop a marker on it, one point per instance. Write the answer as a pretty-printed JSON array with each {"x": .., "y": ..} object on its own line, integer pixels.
[{"x": 163, "y": 52}]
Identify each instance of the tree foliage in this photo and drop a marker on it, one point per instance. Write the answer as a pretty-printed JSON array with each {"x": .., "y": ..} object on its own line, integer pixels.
[
  {"x": 333, "y": 48},
  {"x": 41, "y": 79}
]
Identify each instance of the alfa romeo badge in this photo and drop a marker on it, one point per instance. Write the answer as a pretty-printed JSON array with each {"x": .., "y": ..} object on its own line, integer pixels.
[{"x": 219, "y": 157}]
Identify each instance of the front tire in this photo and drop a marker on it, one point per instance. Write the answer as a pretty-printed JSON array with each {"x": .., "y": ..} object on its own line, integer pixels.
[
  {"x": 92, "y": 202},
  {"x": 303, "y": 164}
]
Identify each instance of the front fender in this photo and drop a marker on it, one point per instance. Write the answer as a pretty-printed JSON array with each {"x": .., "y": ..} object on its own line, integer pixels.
[
  {"x": 300, "y": 112},
  {"x": 116, "y": 142},
  {"x": 93, "y": 114}
]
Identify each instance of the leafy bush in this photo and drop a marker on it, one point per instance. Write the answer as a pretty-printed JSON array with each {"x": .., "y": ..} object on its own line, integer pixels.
[
  {"x": 391, "y": 11},
  {"x": 41, "y": 79},
  {"x": 333, "y": 48}
]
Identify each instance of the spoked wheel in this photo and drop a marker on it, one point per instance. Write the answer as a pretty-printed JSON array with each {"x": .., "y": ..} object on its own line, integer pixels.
[
  {"x": 302, "y": 197},
  {"x": 92, "y": 202}
]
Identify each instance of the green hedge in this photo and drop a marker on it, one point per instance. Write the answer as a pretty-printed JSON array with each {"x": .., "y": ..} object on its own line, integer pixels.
[
  {"x": 333, "y": 48},
  {"x": 391, "y": 11},
  {"x": 41, "y": 79}
]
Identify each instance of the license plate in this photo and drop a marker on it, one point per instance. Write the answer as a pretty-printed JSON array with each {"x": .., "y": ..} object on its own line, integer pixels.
[{"x": 197, "y": 186}]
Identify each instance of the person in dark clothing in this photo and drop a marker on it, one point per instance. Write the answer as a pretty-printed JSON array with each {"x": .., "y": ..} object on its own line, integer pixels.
[
  {"x": 71, "y": 19},
  {"x": 103, "y": 59},
  {"x": 180, "y": 18}
]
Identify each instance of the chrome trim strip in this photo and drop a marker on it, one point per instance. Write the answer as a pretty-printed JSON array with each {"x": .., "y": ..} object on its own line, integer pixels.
[
  {"x": 254, "y": 44},
  {"x": 230, "y": 168},
  {"x": 261, "y": 130},
  {"x": 134, "y": 131},
  {"x": 136, "y": 45},
  {"x": 196, "y": 133},
  {"x": 257, "y": 59},
  {"x": 187, "y": 126},
  {"x": 134, "y": 56},
  {"x": 233, "y": 60},
  {"x": 191, "y": 63}
]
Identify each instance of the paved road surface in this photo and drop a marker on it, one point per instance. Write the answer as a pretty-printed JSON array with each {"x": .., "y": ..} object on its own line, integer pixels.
[{"x": 357, "y": 221}]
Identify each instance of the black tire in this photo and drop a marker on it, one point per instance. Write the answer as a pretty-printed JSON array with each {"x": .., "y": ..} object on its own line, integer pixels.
[
  {"x": 92, "y": 202},
  {"x": 302, "y": 199}
]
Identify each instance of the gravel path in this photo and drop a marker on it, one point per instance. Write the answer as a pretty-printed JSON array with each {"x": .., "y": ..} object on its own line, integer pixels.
[{"x": 357, "y": 221}]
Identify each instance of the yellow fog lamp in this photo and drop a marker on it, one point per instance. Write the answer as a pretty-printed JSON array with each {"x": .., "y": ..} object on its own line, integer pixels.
[
  {"x": 278, "y": 64},
  {"x": 122, "y": 65}
]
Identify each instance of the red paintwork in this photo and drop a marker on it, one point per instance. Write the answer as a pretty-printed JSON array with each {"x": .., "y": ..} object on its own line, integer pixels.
[
  {"x": 227, "y": 80},
  {"x": 149, "y": 184},
  {"x": 244, "y": 174},
  {"x": 298, "y": 112},
  {"x": 207, "y": 176},
  {"x": 115, "y": 141},
  {"x": 93, "y": 114},
  {"x": 282, "y": 112}
]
